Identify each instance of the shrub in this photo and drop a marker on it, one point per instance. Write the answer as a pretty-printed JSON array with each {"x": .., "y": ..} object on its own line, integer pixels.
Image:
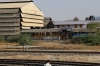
[
  {"x": 78, "y": 39},
  {"x": 23, "y": 39},
  {"x": 91, "y": 39},
  {"x": 15, "y": 38},
  {"x": 2, "y": 38}
]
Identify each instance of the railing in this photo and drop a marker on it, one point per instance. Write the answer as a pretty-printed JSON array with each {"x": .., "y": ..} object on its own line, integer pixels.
[{"x": 41, "y": 30}]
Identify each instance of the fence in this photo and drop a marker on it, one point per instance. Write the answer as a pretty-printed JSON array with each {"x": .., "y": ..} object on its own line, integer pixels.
[{"x": 47, "y": 38}]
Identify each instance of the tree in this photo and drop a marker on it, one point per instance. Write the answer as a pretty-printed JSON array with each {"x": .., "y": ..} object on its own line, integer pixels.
[
  {"x": 75, "y": 19},
  {"x": 93, "y": 26},
  {"x": 2, "y": 38},
  {"x": 23, "y": 39}
]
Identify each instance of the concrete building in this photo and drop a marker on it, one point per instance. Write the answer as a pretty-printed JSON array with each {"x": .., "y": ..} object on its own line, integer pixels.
[
  {"x": 72, "y": 28},
  {"x": 18, "y": 15}
]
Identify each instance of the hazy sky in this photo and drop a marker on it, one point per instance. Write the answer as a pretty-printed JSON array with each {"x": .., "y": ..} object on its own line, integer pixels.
[
  {"x": 68, "y": 9},
  {"x": 12, "y": 0}
]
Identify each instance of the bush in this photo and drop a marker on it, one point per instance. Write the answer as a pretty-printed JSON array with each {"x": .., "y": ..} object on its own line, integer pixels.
[
  {"x": 91, "y": 39},
  {"x": 23, "y": 39},
  {"x": 15, "y": 38},
  {"x": 78, "y": 39},
  {"x": 2, "y": 38}
]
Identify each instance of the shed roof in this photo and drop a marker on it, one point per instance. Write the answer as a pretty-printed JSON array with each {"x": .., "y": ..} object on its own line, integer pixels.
[
  {"x": 13, "y": 5},
  {"x": 68, "y": 22},
  {"x": 28, "y": 6},
  {"x": 28, "y": 9},
  {"x": 2, "y": 1},
  {"x": 72, "y": 22}
]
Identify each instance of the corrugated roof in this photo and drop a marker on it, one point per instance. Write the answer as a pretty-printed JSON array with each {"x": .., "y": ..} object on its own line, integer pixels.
[
  {"x": 30, "y": 14},
  {"x": 13, "y": 5},
  {"x": 72, "y": 22},
  {"x": 13, "y": 0}
]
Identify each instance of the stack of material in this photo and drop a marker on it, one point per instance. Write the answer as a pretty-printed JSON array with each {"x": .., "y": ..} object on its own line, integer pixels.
[{"x": 19, "y": 14}]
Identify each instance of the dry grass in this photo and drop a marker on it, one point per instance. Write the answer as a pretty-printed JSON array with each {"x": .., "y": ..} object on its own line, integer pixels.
[
  {"x": 64, "y": 45},
  {"x": 55, "y": 45},
  {"x": 3, "y": 45}
]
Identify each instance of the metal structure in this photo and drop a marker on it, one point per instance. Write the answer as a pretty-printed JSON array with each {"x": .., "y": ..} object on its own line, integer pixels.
[
  {"x": 53, "y": 52},
  {"x": 17, "y": 62},
  {"x": 9, "y": 21},
  {"x": 18, "y": 15}
]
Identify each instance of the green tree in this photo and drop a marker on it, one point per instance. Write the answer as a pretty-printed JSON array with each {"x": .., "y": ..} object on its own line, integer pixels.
[
  {"x": 76, "y": 19},
  {"x": 93, "y": 26},
  {"x": 90, "y": 39},
  {"x": 2, "y": 38},
  {"x": 23, "y": 39},
  {"x": 14, "y": 38}
]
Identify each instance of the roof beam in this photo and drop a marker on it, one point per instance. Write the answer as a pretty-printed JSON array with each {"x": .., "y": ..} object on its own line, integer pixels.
[{"x": 17, "y": 1}]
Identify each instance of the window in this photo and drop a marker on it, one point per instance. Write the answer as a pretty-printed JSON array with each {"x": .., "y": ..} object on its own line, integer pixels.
[
  {"x": 58, "y": 26},
  {"x": 80, "y": 26},
  {"x": 68, "y": 25},
  {"x": 75, "y": 26},
  {"x": 63, "y": 26}
]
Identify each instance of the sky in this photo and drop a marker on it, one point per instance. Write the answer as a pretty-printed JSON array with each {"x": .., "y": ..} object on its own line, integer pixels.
[
  {"x": 12, "y": 0},
  {"x": 60, "y": 10}
]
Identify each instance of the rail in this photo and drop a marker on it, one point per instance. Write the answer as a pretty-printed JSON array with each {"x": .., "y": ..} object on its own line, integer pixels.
[
  {"x": 52, "y": 51},
  {"x": 42, "y": 62}
]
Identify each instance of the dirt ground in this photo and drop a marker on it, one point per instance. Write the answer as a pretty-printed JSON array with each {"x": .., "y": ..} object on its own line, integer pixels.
[
  {"x": 57, "y": 45},
  {"x": 75, "y": 58}
]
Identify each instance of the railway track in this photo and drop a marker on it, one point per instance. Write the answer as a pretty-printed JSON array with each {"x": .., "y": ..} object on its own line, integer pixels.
[
  {"x": 53, "y": 51},
  {"x": 18, "y": 62}
]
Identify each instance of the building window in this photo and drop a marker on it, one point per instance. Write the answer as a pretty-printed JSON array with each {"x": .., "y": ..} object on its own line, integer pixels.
[
  {"x": 75, "y": 26},
  {"x": 63, "y": 26},
  {"x": 58, "y": 26},
  {"x": 80, "y": 26},
  {"x": 68, "y": 25}
]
